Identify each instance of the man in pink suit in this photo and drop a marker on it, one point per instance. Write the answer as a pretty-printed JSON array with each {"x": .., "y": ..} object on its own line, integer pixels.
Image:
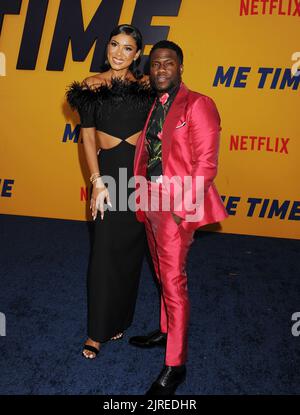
[{"x": 177, "y": 152}]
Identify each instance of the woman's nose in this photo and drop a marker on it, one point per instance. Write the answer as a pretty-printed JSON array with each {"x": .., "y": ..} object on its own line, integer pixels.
[{"x": 119, "y": 52}]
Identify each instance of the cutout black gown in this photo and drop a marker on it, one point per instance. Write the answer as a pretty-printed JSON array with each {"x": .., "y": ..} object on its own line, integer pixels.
[{"x": 119, "y": 239}]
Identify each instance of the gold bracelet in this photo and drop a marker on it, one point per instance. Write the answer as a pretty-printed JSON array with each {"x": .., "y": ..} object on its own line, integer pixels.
[
  {"x": 94, "y": 176},
  {"x": 95, "y": 179}
]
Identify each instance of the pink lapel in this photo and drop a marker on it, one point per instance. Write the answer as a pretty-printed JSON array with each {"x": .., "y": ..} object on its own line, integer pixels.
[
  {"x": 174, "y": 114},
  {"x": 141, "y": 143}
]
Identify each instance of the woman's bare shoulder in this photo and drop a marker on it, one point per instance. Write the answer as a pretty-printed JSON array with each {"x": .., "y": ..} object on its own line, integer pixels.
[
  {"x": 95, "y": 81},
  {"x": 145, "y": 80}
]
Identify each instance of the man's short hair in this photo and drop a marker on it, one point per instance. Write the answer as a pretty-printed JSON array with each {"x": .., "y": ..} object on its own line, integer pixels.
[{"x": 167, "y": 44}]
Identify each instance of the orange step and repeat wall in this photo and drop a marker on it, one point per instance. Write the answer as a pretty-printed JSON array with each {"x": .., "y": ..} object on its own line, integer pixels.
[{"x": 242, "y": 53}]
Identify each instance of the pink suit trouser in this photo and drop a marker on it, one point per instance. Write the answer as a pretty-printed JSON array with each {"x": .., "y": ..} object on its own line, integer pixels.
[{"x": 169, "y": 244}]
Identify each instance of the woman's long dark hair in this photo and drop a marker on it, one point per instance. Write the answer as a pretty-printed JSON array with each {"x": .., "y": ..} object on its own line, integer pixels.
[{"x": 137, "y": 36}]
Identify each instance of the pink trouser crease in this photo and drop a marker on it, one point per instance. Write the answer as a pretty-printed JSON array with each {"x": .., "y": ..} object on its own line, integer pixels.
[{"x": 169, "y": 244}]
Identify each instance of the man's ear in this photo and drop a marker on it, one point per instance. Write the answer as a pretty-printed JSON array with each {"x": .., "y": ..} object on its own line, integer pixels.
[{"x": 181, "y": 69}]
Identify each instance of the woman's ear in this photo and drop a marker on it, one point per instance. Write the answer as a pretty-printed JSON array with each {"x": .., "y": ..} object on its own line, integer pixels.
[
  {"x": 137, "y": 55},
  {"x": 106, "y": 54}
]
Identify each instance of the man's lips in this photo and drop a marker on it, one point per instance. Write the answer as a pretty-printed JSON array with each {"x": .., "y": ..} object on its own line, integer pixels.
[{"x": 161, "y": 79}]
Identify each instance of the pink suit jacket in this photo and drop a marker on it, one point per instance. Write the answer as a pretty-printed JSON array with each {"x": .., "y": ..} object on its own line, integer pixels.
[{"x": 190, "y": 144}]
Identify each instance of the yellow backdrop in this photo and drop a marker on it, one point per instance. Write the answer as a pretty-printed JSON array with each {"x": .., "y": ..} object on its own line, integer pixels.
[{"x": 237, "y": 52}]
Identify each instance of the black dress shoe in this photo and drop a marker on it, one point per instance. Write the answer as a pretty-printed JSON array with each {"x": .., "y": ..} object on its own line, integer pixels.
[
  {"x": 156, "y": 338},
  {"x": 168, "y": 380}
]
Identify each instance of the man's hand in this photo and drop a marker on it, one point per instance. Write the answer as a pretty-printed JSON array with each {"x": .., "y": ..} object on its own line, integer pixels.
[{"x": 177, "y": 219}]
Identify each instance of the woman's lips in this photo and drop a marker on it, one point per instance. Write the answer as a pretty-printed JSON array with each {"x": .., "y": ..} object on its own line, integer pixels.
[{"x": 117, "y": 61}]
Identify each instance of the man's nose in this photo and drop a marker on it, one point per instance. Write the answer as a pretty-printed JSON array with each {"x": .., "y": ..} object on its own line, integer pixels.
[{"x": 161, "y": 70}]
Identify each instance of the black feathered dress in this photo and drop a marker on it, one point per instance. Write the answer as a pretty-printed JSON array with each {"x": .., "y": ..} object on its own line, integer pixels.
[{"x": 118, "y": 247}]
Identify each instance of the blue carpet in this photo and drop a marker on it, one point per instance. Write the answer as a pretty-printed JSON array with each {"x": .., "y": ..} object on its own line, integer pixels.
[{"x": 243, "y": 292}]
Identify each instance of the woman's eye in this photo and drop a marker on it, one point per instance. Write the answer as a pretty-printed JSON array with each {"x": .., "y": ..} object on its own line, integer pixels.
[{"x": 128, "y": 49}]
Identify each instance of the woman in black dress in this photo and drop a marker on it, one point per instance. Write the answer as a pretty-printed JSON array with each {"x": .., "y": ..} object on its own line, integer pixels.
[{"x": 113, "y": 106}]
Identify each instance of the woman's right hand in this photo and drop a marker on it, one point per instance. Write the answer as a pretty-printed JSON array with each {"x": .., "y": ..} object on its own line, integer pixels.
[{"x": 99, "y": 195}]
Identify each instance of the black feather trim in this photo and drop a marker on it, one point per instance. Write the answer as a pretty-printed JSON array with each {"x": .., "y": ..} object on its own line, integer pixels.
[
  {"x": 80, "y": 97},
  {"x": 137, "y": 95}
]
